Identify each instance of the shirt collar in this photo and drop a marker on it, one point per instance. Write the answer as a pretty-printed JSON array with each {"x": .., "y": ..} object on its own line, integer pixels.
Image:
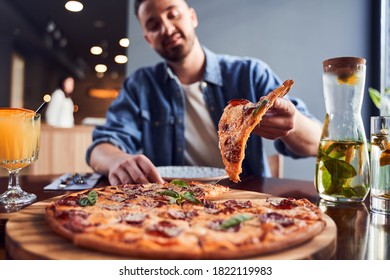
[{"x": 212, "y": 72}]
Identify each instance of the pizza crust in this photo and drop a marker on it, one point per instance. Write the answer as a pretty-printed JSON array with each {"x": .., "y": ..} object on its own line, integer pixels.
[
  {"x": 144, "y": 249},
  {"x": 274, "y": 246}
]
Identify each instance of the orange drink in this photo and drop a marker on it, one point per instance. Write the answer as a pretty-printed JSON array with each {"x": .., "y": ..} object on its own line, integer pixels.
[
  {"x": 19, "y": 147},
  {"x": 19, "y": 141}
]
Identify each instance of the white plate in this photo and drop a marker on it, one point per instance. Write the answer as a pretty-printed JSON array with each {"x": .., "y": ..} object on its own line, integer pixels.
[{"x": 192, "y": 173}]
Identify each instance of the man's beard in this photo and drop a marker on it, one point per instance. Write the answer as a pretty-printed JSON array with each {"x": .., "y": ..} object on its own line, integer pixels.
[{"x": 177, "y": 53}]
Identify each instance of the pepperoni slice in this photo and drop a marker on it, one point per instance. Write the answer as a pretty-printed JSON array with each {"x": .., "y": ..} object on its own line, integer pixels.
[
  {"x": 164, "y": 229},
  {"x": 232, "y": 150},
  {"x": 237, "y": 204},
  {"x": 287, "y": 203},
  {"x": 235, "y": 102},
  {"x": 134, "y": 218},
  {"x": 117, "y": 198},
  {"x": 176, "y": 214},
  {"x": 76, "y": 220},
  {"x": 68, "y": 201},
  {"x": 277, "y": 218}
]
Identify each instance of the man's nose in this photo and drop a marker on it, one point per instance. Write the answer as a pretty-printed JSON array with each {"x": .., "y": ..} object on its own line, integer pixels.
[{"x": 167, "y": 27}]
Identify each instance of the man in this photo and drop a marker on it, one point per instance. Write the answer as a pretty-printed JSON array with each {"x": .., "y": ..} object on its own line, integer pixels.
[{"x": 168, "y": 114}]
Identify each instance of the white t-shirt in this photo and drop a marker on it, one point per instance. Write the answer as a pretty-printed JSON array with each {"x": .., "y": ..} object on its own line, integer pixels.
[
  {"x": 200, "y": 133},
  {"x": 59, "y": 112}
]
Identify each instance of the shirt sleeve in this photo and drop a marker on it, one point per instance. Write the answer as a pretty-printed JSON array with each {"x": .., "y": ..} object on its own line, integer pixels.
[
  {"x": 122, "y": 128},
  {"x": 301, "y": 106}
]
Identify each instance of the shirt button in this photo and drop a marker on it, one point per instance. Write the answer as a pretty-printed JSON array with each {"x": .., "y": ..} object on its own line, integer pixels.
[
  {"x": 203, "y": 85},
  {"x": 179, "y": 149}
]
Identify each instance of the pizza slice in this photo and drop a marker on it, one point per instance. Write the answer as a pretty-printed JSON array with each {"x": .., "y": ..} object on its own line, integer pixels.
[{"x": 238, "y": 120}]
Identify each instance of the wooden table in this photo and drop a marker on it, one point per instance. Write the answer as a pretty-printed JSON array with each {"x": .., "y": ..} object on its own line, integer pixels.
[{"x": 360, "y": 234}]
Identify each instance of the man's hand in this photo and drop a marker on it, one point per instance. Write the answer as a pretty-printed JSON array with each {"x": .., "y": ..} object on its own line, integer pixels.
[
  {"x": 122, "y": 168},
  {"x": 278, "y": 121},
  {"x": 299, "y": 133},
  {"x": 133, "y": 169}
]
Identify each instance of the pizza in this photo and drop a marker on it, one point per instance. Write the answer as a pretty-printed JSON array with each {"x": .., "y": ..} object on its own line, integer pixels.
[
  {"x": 238, "y": 120},
  {"x": 181, "y": 220}
]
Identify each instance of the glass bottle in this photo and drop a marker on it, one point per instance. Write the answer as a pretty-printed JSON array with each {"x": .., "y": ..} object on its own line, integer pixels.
[{"x": 342, "y": 168}]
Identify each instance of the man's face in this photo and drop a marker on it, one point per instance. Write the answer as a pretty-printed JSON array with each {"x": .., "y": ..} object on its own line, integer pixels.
[{"x": 169, "y": 27}]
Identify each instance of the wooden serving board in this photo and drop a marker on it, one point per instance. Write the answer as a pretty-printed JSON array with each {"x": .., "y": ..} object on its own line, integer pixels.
[{"x": 29, "y": 237}]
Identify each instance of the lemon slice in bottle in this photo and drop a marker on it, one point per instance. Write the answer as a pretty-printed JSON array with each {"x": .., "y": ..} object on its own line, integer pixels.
[
  {"x": 384, "y": 159},
  {"x": 348, "y": 79}
]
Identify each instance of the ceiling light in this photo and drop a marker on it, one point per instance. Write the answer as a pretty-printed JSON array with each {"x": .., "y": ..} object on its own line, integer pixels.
[
  {"x": 96, "y": 50},
  {"x": 74, "y": 6},
  {"x": 114, "y": 75},
  {"x": 63, "y": 42},
  {"x": 124, "y": 42},
  {"x": 47, "y": 98},
  {"x": 103, "y": 92},
  {"x": 100, "y": 68},
  {"x": 57, "y": 34},
  {"x": 121, "y": 59},
  {"x": 99, "y": 23},
  {"x": 50, "y": 26}
]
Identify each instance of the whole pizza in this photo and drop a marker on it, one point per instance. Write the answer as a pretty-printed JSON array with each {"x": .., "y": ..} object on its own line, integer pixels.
[{"x": 181, "y": 220}]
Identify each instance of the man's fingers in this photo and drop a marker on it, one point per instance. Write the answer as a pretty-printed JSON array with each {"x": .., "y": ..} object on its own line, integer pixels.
[
  {"x": 137, "y": 175},
  {"x": 148, "y": 168},
  {"x": 281, "y": 106}
]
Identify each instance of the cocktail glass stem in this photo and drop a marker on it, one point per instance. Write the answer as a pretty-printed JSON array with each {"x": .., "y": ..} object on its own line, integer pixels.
[
  {"x": 15, "y": 194},
  {"x": 13, "y": 181}
]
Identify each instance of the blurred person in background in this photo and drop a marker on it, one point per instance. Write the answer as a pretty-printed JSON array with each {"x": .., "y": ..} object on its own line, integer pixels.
[{"x": 59, "y": 112}]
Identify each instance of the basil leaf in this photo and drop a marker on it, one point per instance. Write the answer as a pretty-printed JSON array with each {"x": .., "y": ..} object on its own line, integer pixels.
[
  {"x": 170, "y": 193},
  {"x": 179, "y": 183},
  {"x": 262, "y": 103},
  {"x": 337, "y": 150},
  {"x": 92, "y": 197},
  {"x": 88, "y": 200},
  {"x": 360, "y": 190},
  {"x": 235, "y": 220},
  {"x": 190, "y": 197},
  {"x": 375, "y": 97},
  {"x": 84, "y": 201},
  {"x": 327, "y": 181},
  {"x": 339, "y": 169},
  {"x": 180, "y": 200},
  {"x": 347, "y": 191}
]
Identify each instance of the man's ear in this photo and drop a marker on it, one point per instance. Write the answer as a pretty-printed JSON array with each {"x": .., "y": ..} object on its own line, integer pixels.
[{"x": 194, "y": 18}]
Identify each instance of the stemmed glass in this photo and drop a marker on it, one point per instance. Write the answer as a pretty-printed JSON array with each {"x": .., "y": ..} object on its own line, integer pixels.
[{"x": 19, "y": 147}]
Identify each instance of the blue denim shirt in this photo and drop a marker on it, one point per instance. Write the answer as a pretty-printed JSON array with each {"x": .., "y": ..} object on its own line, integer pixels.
[{"x": 148, "y": 115}]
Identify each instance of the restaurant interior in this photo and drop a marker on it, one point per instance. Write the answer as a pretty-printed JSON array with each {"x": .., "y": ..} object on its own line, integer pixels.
[
  {"x": 42, "y": 41},
  {"x": 102, "y": 44}
]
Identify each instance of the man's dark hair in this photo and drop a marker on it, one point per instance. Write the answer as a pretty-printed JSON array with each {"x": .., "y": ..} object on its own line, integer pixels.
[
  {"x": 138, "y": 3},
  {"x": 61, "y": 81}
]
